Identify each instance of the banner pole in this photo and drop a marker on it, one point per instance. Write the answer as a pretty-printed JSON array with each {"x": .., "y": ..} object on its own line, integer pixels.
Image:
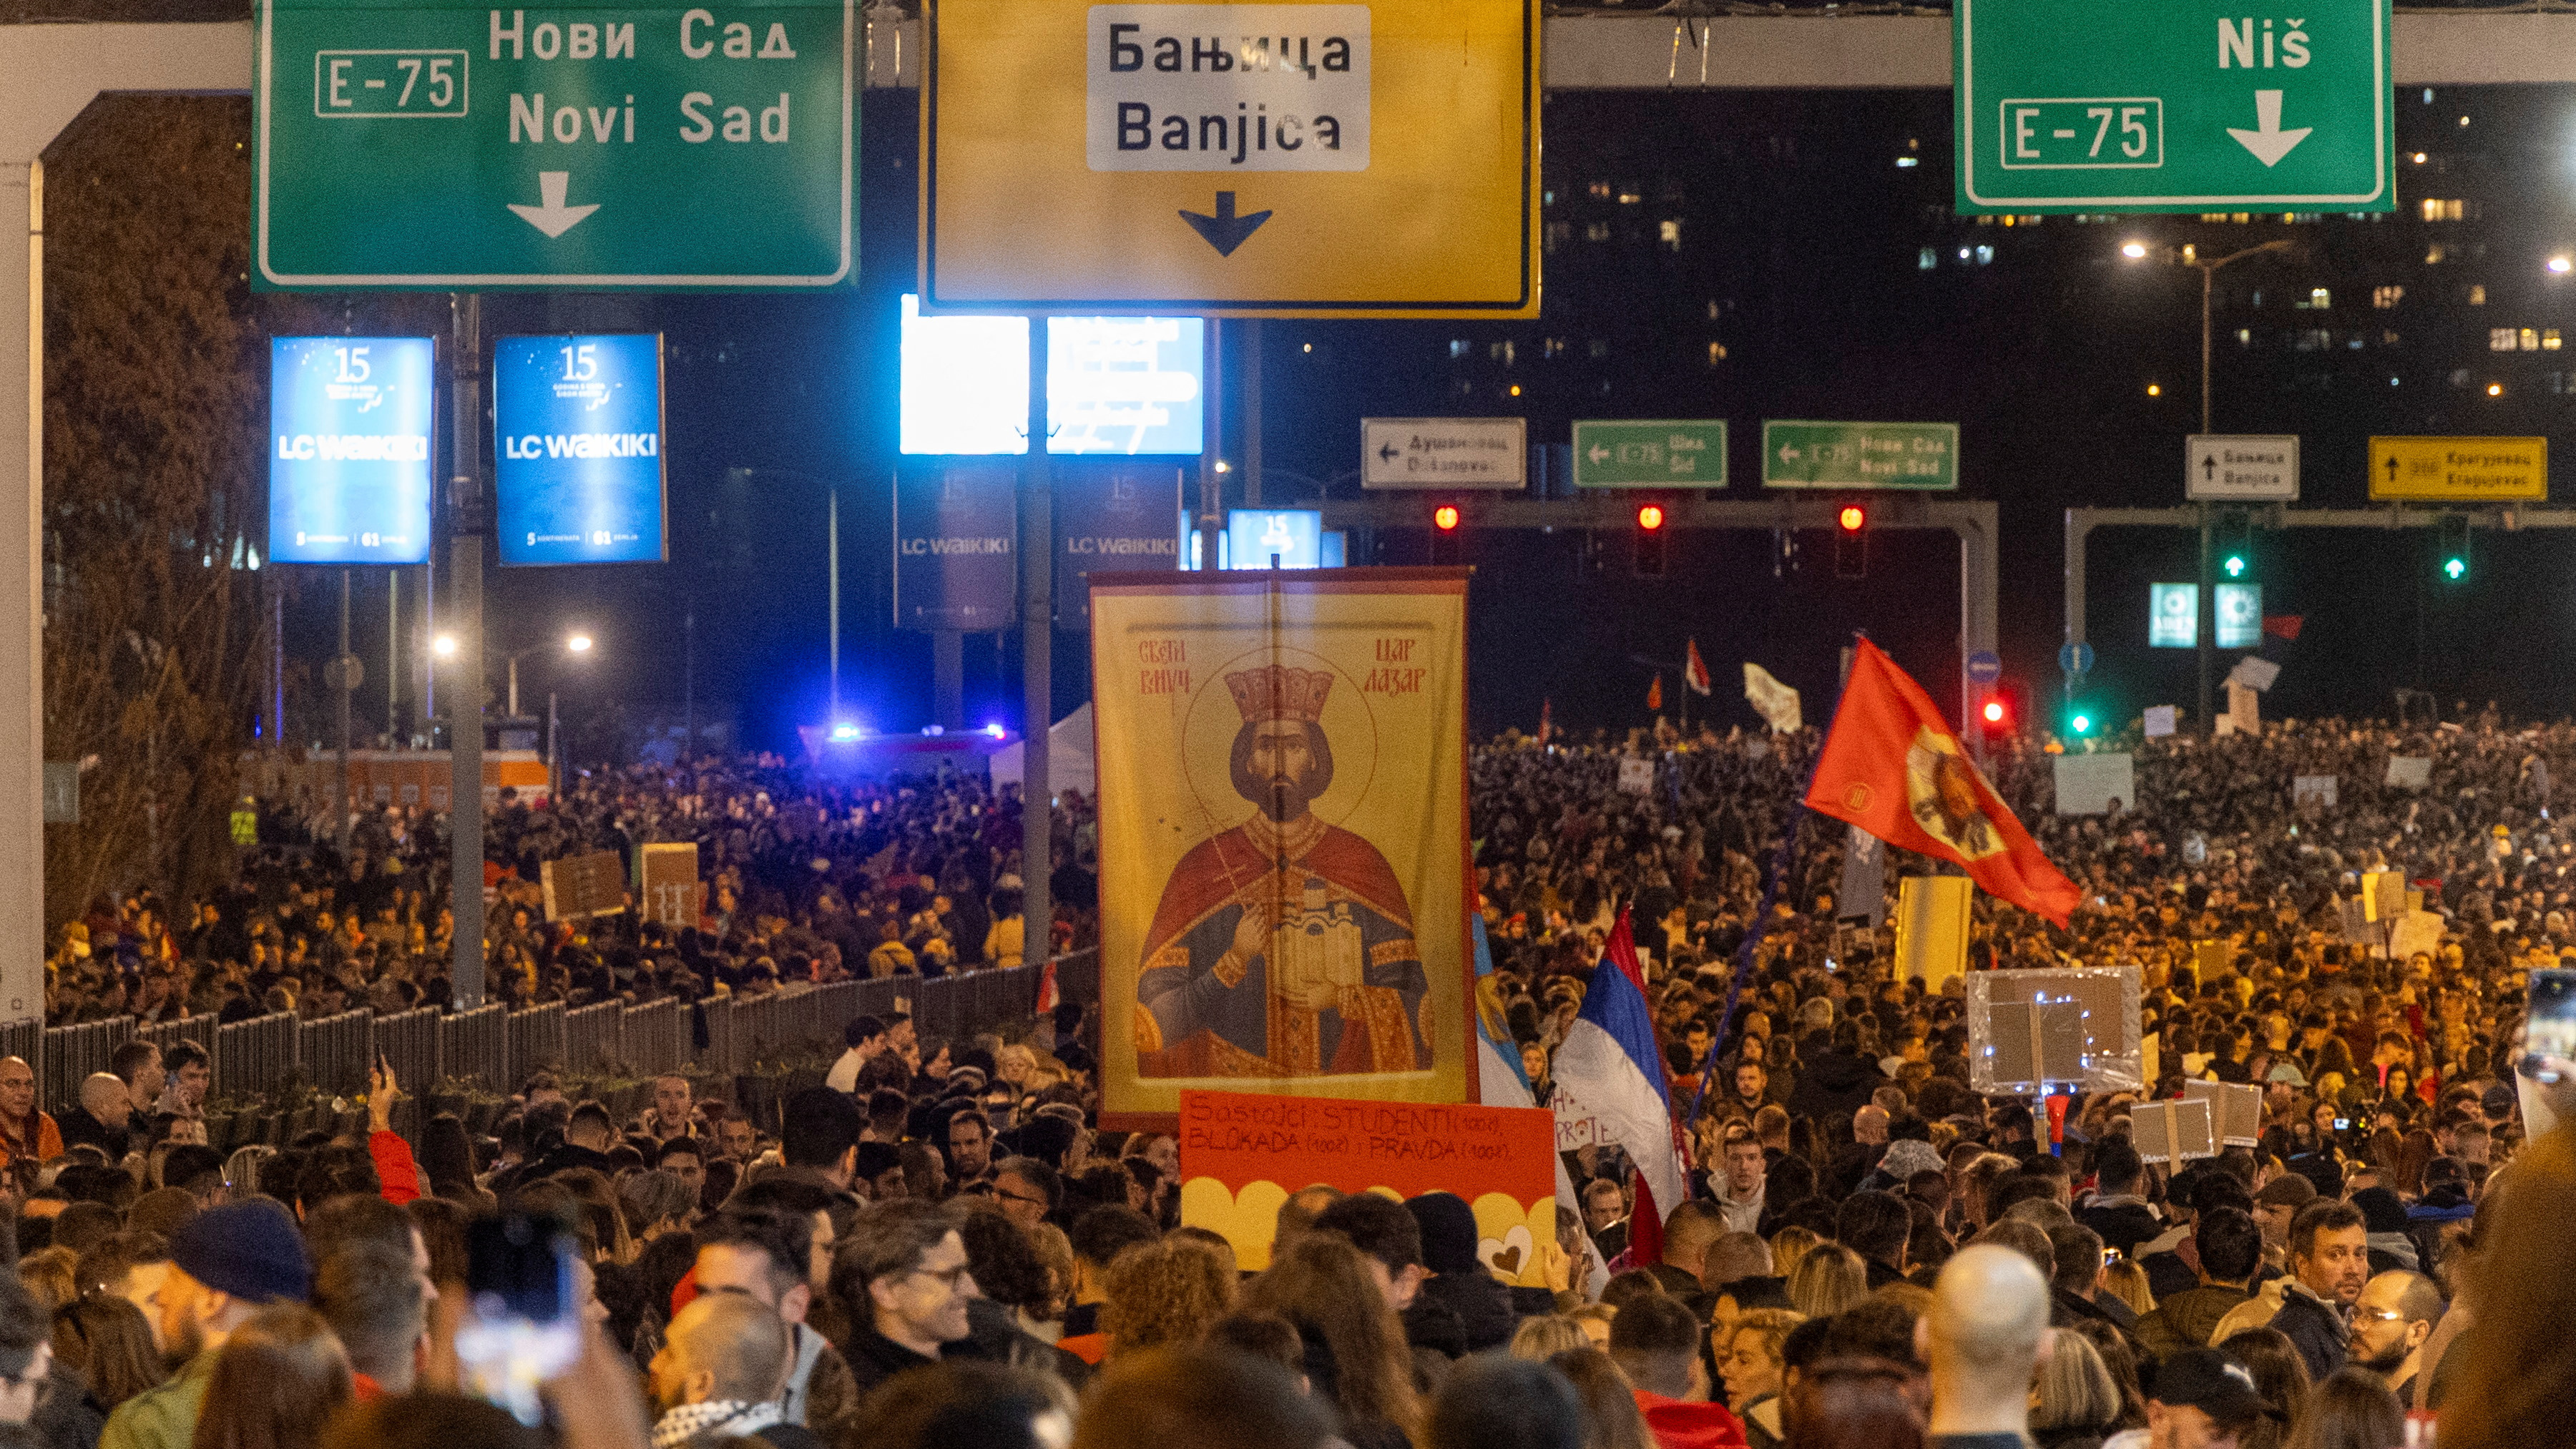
[{"x": 1037, "y": 666}]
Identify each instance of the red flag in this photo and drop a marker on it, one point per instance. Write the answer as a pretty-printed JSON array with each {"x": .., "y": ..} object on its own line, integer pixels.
[
  {"x": 2284, "y": 626},
  {"x": 1694, "y": 668},
  {"x": 1047, "y": 994},
  {"x": 1655, "y": 693},
  {"x": 1893, "y": 768}
]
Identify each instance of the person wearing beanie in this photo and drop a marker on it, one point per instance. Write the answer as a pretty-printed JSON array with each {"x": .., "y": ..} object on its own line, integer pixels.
[
  {"x": 2383, "y": 1219},
  {"x": 1458, "y": 1283},
  {"x": 226, "y": 1264}
]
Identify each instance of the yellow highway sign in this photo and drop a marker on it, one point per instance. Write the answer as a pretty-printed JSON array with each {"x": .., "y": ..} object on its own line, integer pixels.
[
  {"x": 1231, "y": 160},
  {"x": 2471, "y": 470}
]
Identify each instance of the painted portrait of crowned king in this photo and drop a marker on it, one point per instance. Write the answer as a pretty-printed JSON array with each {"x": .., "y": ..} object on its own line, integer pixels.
[{"x": 1284, "y": 946}]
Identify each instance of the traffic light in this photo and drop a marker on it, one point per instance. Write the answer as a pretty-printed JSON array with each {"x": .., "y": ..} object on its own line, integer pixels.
[
  {"x": 1851, "y": 542},
  {"x": 2079, "y": 720},
  {"x": 1445, "y": 535},
  {"x": 2234, "y": 565},
  {"x": 2455, "y": 549},
  {"x": 2237, "y": 557},
  {"x": 1650, "y": 541}
]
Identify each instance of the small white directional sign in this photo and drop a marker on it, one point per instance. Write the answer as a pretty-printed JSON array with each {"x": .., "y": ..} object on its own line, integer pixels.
[
  {"x": 1443, "y": 453},
  {"x": 2230, "y": 468}
]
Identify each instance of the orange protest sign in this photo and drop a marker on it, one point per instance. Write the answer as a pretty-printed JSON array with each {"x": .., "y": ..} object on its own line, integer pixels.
[{"x": 1242, "y": 1155}]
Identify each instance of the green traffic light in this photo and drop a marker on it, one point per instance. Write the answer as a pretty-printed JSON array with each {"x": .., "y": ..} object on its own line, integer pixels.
[
  {"x": 2236, "y": 565},
  {"x": 2455, "y": 568},
  {"x": 2083, "y": 724}
]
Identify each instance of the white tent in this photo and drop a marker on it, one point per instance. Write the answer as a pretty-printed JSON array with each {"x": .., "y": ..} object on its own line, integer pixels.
[{"x": 1069, "y": 758}]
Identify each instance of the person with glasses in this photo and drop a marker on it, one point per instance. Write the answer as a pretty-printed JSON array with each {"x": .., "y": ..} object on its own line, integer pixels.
[
  {"x": 903, "y": 1281},
  {"x": 2390, "y": 1324},
  {"x": 1028, "y": 1191}
]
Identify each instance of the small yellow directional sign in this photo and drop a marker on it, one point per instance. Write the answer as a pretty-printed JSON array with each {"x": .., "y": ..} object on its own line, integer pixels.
[
  {"x": 2464, "y": 469},
  {"x": 1243, "y": 160}
]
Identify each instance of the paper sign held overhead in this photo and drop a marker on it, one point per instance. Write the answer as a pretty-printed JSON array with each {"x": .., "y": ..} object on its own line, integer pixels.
[
  {"x": 1242, "y": 1154},
  {"x": 2093, "y": 784},
  {"x": 2029, "y": 1031},
  {"x": 2235, "y": 1107},
  {"x": 2254, "y": 673},
  {"x": 2316, "y": 790},
  {"x": 2161, "y": 720},
  {"x": 2173, "y": 1133}
]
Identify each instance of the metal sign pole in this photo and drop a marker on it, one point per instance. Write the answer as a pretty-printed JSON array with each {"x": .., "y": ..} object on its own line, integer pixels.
[
  {"x": 465, "y": 694},
  {"x": 1037, "y": 665}
]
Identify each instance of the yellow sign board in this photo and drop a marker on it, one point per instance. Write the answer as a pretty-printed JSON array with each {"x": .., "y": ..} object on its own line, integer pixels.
[
  {"x": 2468, "y": 469},
  {"x": 1231, "y": 160}
]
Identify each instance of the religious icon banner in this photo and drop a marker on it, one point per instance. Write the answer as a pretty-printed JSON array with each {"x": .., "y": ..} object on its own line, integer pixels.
[{"x": 1283, "y": 836}]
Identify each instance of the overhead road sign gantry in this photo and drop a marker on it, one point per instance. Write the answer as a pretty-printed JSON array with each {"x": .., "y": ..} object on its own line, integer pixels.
[
  {"x": 2241, "y": 468},
  {"x": 2472, "y": 470},
  {"x": 2167, "y": 105},
  {"x": 1331, "y": 160},
  {"x": 444, "y": 147},
  {"x": 1922, "y": 456},
  {"x": 1650, "y": 454}
]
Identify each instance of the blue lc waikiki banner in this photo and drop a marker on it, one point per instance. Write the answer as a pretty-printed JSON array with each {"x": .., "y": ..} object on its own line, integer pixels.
[
  {"x": 348, "y": 462},
  {"x": 577, "y": 444}
]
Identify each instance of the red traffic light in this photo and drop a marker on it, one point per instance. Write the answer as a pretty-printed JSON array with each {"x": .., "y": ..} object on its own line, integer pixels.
[
  {"x": 1445, "y": 518},
  {"x": 1994, "y": 711},
  {"x": 1853, "y": 518},
  {"x": 1650, "y": 517}
]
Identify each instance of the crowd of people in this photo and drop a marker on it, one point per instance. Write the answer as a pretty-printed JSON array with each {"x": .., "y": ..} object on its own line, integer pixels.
[{"x": 942, "y": 1246}]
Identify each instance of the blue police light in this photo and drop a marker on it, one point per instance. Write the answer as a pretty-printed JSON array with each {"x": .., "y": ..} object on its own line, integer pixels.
[
  {"x": 994, "y": 729},
  {"x": 845, "y": 732}
]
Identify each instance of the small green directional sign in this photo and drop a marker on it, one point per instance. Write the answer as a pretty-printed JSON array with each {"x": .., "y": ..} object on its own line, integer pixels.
[
  {"x": 1860, "y": 455},
  {"x": 2173, "y": 105},
  {"x": 1650, "y": 454}
]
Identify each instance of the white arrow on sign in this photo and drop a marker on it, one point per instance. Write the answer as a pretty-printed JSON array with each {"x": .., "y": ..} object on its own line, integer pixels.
[
  {"x": 1788, "y": 454},
  {"x": 2268, "y": 141},
  {"x": 1598, "y": 453},
  {"x": 554, "y": 218}
]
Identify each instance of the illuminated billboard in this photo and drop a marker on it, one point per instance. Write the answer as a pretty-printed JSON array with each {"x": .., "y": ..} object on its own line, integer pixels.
[
  {"x": 1255, "y": 536},
  {"x": 577, "y": 448},
  {"x": 349, "y": 450},
  {"x": 1115, "y": 385}
]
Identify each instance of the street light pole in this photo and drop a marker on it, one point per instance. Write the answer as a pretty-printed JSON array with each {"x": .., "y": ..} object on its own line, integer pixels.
[{"x": 2205, "y": 630}]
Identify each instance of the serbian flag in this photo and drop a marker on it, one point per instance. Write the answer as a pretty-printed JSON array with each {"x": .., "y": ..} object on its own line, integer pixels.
[
  {"x": 1655, "y": 693},
  {"x": 1048, "y": 997},
  {"x": 2284, "y": 626},
  {"x": 1893, "y": 768},
  {"x": 1694, "y": 668},
  {"x": 1610, "y": 1085}
]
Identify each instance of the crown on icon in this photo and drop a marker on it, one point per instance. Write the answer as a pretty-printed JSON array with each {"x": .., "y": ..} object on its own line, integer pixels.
[{"x": 1276, "y": 691}]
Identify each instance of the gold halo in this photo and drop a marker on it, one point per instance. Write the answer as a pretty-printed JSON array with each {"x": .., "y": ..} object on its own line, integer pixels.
[{"x": 1209, "y": 726}]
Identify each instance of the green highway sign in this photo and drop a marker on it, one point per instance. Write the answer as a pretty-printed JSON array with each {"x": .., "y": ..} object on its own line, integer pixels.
[
  {"x": 444, "y": 147},
  {"x": 1650, "y": 455},
  {"x": 2171, "y": 106},
  {"x": 1860, "y": 455}
]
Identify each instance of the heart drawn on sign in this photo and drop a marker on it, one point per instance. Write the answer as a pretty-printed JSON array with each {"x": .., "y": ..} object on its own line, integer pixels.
[{"x": 1506, "y": 1255}]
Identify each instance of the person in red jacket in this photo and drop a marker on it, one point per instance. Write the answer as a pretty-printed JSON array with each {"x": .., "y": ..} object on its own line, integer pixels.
[
  {"x": 395, "y": 1169},
  {"x": 1655, "y": 1342}
]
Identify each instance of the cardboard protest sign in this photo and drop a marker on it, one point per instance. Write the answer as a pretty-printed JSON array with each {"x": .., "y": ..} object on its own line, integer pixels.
[
  {"x": 1637, "y": 777},
  {"x": 2034, "y": 1031},
  {"x": 2317, "y": 790},
  {"x": 2417, "y": 931},
  {"x": 2093, "y": 784},
  {"x": 580, "y": 886},
  {"x": 673, "y": 894},
  {"x": 2410, "y": 772},
  {"x": 2236, "y": 1109},
  {"x": 1243, "y": 1154},
  {"x": 2244, "y": 715},
  {"x": 2254, "y": 673},
  {"x": 2173, "y": 1133},
  {"x": 1932, "y": 927},
  {"x": 2161, "y": 720}
]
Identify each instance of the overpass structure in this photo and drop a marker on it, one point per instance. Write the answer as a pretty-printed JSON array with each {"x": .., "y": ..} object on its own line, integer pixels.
[{"x": 50, "y": 73}]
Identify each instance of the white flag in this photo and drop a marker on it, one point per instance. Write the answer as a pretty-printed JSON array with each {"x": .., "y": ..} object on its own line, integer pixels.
[{"x": 1777, "y": 703}]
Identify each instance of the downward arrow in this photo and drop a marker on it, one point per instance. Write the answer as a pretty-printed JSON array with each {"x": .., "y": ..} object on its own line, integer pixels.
[
  {"x": 1225, "y": 231},
  {"x": 2268, "y": 141},
  {"x": 554, "y": 218}
]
